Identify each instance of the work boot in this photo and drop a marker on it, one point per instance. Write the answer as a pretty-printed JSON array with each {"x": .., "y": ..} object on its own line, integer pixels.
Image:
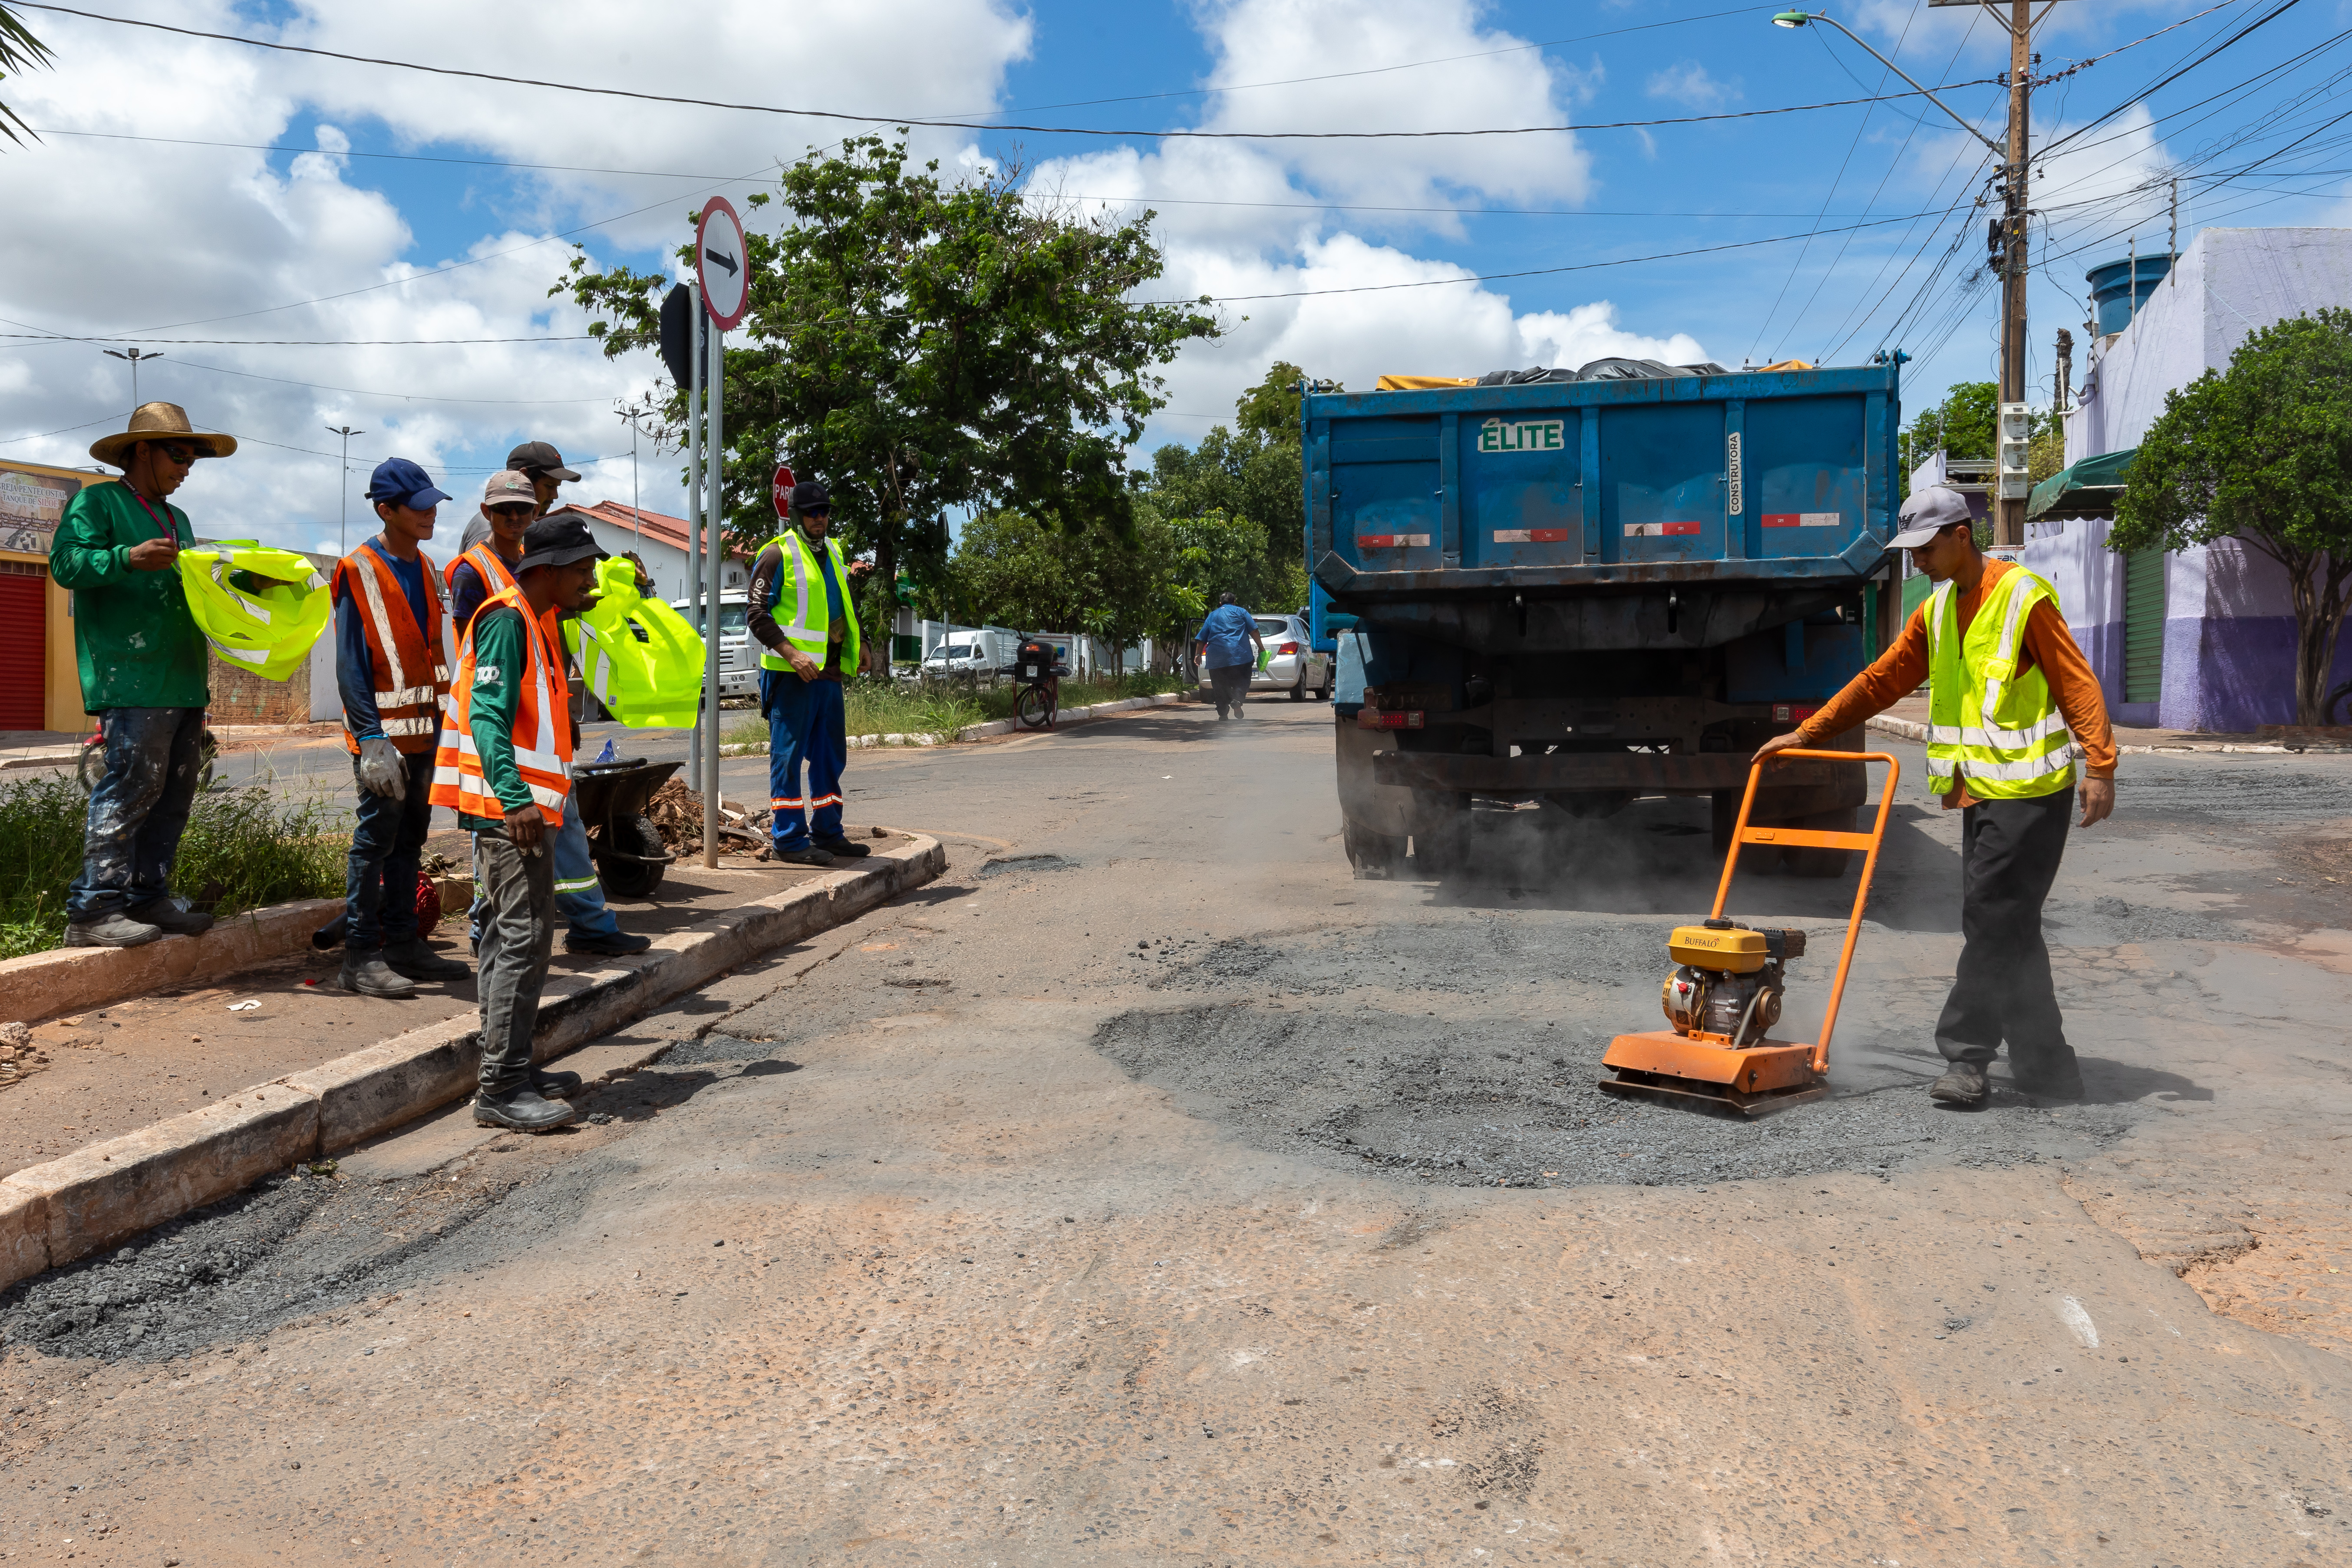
[
  {"x": 111, "y": 930},
  {"x": 607, "y": 944},
  {"x": 844, "y": 849},
  {"x": 369, "y": 975},
  {"x": 550, "y": 1083},
  {"x": 2066, "y": 1083},
  {"x": 1963, "y": 1084},
  {"x": 809, "y": 855},
  {"x": 173, "y": 915},
  {"x": 522, "y": 1110},
  {"x": 416, "y": 960}
]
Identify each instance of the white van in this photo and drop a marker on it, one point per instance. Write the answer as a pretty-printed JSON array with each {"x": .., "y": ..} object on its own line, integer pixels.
[{"x": 981, "y": 651}]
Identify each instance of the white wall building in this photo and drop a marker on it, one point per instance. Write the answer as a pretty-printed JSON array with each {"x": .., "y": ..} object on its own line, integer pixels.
[{"x": 661, "y": 543}]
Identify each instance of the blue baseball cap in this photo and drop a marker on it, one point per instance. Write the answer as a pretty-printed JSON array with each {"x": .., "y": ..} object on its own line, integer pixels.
[{"x": 402, "y": 482}]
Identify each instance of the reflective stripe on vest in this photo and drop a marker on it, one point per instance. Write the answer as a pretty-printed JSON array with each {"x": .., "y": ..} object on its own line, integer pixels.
[
  {"x": 543, "y": 728},
  {"x": 811, "y": 628},
  {"x": 410, "y": 676},
  {"x": 1999, "y": 732}
]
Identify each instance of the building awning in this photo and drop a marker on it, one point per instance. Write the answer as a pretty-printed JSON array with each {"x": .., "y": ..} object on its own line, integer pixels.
[{"x": 2088, "y": 488}]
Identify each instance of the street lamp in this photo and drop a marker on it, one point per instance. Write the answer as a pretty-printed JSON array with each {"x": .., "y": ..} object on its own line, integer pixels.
[
  {"x": 343, "y": 484},
  {"x": 1807, "y": 18},
  {"x": 134, "y": 356}
]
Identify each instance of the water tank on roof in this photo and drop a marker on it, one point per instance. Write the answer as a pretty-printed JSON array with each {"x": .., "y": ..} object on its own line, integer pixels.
[{"x": 2116, "y": 294}]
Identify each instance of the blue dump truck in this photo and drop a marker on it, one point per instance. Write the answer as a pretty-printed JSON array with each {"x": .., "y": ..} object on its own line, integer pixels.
[{"x": 1570, "y": 589}]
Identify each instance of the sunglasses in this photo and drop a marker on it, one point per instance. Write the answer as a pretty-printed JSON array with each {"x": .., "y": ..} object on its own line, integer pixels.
[{"x": 184, "y": 456}]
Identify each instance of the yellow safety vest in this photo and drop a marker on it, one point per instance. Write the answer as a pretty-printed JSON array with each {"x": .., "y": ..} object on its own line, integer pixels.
[
  {"x": 268, "y": 630},
  {"x": 648, "y": 682},
  {"x": 1992, "y": 728},
  {"x": 811, "y": 628}
]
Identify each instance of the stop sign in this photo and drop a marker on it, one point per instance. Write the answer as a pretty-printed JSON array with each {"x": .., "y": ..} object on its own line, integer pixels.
[{"x": 783, "y": 493}]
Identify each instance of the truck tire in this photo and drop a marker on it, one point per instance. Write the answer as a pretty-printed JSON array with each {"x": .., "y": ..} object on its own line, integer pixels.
[
  {"x": 1441, "y": 839},
  {"x": 1375, "y": 856},
  {"x": 1819, "y": 862}
]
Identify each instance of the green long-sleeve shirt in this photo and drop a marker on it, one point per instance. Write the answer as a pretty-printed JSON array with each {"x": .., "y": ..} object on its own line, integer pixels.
[
  {"x": 501, "y": 653},
  {"x": 135, "y": 640}
]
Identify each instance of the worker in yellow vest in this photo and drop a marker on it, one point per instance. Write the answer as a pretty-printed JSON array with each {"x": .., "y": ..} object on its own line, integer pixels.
[
  {"x": 2013, "y": 697},
  {"x": 504, "y": 766},
  {"x": 800, "y": 572},
  {"x": 392, "y": 673}
]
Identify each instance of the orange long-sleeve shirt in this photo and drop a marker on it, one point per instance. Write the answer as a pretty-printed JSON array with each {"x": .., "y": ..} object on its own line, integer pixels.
[{"x": 2048, "y": 643}]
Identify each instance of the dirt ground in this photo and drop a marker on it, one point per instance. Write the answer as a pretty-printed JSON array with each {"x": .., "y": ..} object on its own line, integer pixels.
[{"x": 1147, "y": 1191}]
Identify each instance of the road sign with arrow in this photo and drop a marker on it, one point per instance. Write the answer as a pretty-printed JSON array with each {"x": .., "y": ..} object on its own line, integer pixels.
[{"x": 723, "y": 262}]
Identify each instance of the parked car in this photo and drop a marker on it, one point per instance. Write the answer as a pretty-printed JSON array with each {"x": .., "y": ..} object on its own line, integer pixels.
[
  {"x": 738, "y": 655},
  {"x": 1291, "y": 664}
]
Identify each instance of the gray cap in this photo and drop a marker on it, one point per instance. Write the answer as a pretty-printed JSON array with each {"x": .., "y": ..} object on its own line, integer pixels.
[{"x": 1927, "y": 513}]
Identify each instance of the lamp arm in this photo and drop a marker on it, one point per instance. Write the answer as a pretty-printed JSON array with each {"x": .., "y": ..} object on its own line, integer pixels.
[{"x": 1898, "y": 70}]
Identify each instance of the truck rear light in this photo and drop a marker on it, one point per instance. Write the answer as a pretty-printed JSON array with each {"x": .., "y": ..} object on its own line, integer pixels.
[
  {"x": 1794, "y": 712},
  {"x": 1373, "y": 719},
  {"x": 1288, "y": 647}
]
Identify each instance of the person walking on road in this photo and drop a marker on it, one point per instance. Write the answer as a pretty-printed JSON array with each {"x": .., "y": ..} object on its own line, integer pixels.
[
  {"x": 799, "y": 678},
  {"x": 143, "y": 672},
  {"x": 1228, "y": 646},
  {"x": 510, "y": 502},
  {"x": 2009, "y": 686},
  {"x": 392, "y": 673},
  {"x": 504, "y": 766}
]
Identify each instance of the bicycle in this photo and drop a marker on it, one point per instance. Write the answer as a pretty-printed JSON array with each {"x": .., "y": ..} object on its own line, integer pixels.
[{"x": 1040, "y": 698}]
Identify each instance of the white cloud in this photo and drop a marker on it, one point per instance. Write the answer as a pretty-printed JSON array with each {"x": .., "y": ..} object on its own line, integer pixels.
[
  {"x": 134, "y": 236},
  {"x": 1689, "y": 84}
]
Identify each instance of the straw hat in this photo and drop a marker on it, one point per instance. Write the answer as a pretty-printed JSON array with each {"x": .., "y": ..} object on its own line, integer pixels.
[{"x": 159, "y": 422}]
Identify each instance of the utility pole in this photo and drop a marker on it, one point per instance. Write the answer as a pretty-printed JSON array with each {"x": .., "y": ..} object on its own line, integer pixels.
[
  {"x": 2009, "y": 507},
  {"x": 134, "y": 356},
  {"x": 343, "y": 486},
  {"x": 632, "y": 412}
]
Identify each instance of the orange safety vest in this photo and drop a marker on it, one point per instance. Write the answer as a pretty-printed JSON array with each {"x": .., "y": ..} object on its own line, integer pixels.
[
  {"x": 411, "y": 675},
  {"x": 543, "y": 726},
  {"x": 488, "y": 562}
]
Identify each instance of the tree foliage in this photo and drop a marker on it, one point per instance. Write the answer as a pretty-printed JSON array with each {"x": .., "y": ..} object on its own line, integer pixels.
[
  {"x": 2262, "y": 451},
  {"x": 925, "y": 345},
  {"x": 20, "y": 51}
]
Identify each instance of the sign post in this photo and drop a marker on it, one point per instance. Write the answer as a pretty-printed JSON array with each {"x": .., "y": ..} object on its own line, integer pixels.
[
  {"x": 722, "y": 266},
  {"x": 694, "y": 523}
]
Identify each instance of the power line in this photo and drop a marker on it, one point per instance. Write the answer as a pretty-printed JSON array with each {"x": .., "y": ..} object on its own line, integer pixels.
[
  {"x": 974, "y": 124},
  {"x": 2274, "y": 14},
  {"x": 294, "y": 342}
]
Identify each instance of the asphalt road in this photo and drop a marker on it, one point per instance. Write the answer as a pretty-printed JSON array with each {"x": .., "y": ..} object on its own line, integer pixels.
[{"x": 1148, "y": 1191}]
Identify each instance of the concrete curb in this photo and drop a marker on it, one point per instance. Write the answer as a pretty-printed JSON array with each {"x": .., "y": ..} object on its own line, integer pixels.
[
  {"x": 993, "y": 727},
  {"x": 72, "y": 979},
  {"x": 54, "y": 1213}
]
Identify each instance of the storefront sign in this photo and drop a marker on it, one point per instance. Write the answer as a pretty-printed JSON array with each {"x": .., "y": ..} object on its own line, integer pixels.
[{"x": 31, "y": 505}]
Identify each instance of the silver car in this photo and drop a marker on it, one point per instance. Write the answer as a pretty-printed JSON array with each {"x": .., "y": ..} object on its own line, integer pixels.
[{"x": 1291, "y": 664}]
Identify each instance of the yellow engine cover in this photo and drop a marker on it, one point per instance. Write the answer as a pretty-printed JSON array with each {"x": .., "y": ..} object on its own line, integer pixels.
[{"x": 1734, "y": 951}]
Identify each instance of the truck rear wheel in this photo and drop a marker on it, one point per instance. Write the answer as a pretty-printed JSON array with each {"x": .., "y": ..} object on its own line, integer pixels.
[
  {"x": 1440, "y": 838},
  {"x": 1376, "y": 857}
]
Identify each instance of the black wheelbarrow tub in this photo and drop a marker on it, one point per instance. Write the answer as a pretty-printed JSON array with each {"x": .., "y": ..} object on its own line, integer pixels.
[{"x": 629, "y": 851}]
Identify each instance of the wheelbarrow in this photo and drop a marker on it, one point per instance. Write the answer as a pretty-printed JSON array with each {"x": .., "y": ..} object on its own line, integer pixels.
[{"x": 627, "y": 848}]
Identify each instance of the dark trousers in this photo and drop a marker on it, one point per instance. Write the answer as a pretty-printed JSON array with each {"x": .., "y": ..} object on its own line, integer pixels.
[
  {"x": 806, "y": 727},
  {"x": 2009, "y": 851},
  {"x": 380, "y": 878},
  {"x": 518, "y": 934},
  {"x": 1231, "y": 683},
  {"x": 138, "y": 811}
]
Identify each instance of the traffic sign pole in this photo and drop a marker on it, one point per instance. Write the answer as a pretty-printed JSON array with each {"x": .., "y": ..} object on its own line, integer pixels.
[
  {"x": 694, "y": 528},
  {"x": 714, "y": 551}
]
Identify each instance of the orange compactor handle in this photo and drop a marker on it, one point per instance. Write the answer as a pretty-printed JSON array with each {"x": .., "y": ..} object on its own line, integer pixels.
[{"x": 1817, "y": 839}]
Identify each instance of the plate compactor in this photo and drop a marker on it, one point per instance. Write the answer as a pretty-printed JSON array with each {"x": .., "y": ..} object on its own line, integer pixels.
[{"x": 1724, "y": 992}]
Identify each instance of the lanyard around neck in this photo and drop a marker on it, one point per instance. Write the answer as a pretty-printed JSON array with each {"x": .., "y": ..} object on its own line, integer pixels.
[{"x": 171, "y": 530}]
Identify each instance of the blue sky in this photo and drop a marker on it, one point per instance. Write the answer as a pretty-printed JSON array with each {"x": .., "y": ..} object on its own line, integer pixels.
[{"x": 133, "y": 237}]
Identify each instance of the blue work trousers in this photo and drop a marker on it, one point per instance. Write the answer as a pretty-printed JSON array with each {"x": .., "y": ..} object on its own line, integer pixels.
[
  {"x": 380, "y": 878},
  {"x": 806, "y": 727},
  {"x": 138, "y": 811}
]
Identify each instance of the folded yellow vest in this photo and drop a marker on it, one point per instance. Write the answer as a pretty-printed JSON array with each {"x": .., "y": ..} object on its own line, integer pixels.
[
  {"x": 637, "y": 655},
  {"x": 266, "y": 628}
]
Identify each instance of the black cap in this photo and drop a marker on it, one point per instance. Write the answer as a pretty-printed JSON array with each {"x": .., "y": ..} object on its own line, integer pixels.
[
  {"x": 538, "y": 457},
  {"x": 558, "y": 539},
  {"x": 810, "y": 495}
]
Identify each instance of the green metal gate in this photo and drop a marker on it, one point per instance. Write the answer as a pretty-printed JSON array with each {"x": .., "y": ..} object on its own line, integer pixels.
[{"x": 2144, "y": 625}]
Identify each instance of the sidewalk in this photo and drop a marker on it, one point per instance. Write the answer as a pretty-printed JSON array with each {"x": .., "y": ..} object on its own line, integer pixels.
[{"x": 114, "y": 1070}]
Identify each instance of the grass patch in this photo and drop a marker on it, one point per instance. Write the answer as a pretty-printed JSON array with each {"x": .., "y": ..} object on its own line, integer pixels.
[
  {"x": 947, "y": 708},
  {"x": 242, "y": 849}
]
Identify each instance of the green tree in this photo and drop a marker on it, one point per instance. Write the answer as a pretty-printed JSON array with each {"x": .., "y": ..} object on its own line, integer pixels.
[
  {"x": 923, "y": 346},
  {"x": 2263, "y": 452},
  {"x": 19, "y": 52},
  {"x": 1962, "y": 425},
  {"x": 1271, "y": 407}
]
